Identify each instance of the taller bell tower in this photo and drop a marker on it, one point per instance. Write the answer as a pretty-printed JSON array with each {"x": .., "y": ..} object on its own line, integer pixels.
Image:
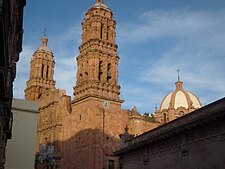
[
  {"x": 97, "y": 74},
  {"x": 97, "y": 106}
]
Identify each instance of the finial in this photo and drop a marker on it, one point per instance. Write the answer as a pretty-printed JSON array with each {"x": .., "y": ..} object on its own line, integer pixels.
[
  {"x": 134, "y": 109},
  {"x": 99, "y": 1},
  {"x": 156, "y": 108},
  {"x": 45, "y": 32},
  {"x": 44, "y": 39},
  {"x": 178, "y": 73},
  {"x": 179, "y": 84}
]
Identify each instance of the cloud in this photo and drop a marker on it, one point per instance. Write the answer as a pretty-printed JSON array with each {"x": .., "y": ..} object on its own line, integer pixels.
[
  {"x": 65, "y": 74},
  {"x": 144, "y": 98},
  {"x": 170, "y": 23},
  {"x": 190, "y": 40},
  {"x": 23, "y": 71}
]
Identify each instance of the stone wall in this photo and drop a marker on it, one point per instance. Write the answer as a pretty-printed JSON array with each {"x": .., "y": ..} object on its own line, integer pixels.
[
  {"x": 196, "y": 140},
  {"x": 94, "y": 133},
  {"x": 84, "y": 134},
  {"x": 54, "y": 108},
  {"x": 11, "y": 21}
]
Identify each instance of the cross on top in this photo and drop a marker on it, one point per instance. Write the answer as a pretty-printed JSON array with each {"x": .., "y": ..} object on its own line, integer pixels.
[
  {"x": 45, "y": 32},
  {"x": 178, "y": 72}
]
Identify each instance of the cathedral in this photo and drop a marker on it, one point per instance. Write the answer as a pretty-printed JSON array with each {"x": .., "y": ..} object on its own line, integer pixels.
[{"x": 84, "y": 133}]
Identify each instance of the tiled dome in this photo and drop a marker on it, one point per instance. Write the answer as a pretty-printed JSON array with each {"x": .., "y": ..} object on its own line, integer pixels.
[{"x": 180, "y": 98}]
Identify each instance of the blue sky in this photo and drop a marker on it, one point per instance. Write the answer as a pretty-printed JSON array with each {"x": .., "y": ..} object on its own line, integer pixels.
[{"x": 155, "y": 38}]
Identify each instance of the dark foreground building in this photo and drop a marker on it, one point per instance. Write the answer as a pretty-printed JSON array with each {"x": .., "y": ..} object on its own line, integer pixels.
[
  {"x": 194, "y": 141},
  {"x": 11, "y": 22}
]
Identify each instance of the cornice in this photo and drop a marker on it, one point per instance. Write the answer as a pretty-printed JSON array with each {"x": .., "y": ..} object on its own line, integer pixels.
[{"x": 202, "y": 116}]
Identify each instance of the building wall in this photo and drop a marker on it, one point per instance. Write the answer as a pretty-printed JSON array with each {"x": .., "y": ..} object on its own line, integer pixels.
[
  {"x": 96, "y": 128},
  {"x": 20, "y": 151},
  {"x": 11, "y": 21},
  {"x": 139, "y": 124},
  {"x": 194, "y": 141},
  {"x": 53, "y": 118},
  {"x": 84, "y": 134}
]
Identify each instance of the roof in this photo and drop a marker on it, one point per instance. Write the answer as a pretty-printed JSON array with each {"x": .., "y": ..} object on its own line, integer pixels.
[
  {"x": 43, "y": 46},
  {"x": 101, "y": 5},
  {"x": 180, "y": 98},
  {"x": 206, "y": 114},
  {"x": 25, "y": 105}
]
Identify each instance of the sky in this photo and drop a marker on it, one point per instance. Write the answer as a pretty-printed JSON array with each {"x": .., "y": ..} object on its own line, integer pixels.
[{"x": 155, "y": 38}]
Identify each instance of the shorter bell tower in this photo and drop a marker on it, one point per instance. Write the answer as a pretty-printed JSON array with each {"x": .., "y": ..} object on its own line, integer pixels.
[{"x": 41, "y": 72}]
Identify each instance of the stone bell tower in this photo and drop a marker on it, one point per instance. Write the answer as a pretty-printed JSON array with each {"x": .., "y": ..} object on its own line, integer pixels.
[
  {"x": 41, "y": 72},
  {"x": 96, "y": 106},
  {"x": 97, "y": 74}
]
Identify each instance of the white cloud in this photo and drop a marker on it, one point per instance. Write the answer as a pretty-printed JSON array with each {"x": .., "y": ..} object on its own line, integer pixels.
[
  {"x": 23, "y": 71},
  {"x": 65, "y": 74},
  {"x": 194, "y": 43},
  {"x": 175, "y": 23}
]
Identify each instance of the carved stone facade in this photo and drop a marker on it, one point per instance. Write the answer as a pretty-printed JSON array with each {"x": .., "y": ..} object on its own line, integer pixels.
[
  {"x": 11, "y": 21},
  {"x": 54, "y": 108},
  {"x": 97, "y": 73},
  {"x": 196, "y": 140},
  {"x": 84, "y": 132}
]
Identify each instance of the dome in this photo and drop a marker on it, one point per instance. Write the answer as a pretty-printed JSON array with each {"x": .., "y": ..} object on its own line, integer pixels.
[
  {"x": 180, "y": 99},
  {"x": 176, "y": 104},
  {"x": 44, "y": 47},
  {"x": 100, "y": 4}
]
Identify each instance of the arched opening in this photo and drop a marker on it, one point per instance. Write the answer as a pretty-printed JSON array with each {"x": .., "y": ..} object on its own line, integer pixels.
[
  {"x": 42, "y": 71},
  {"x": 100, "y": 70},
  {"x": 109, "y": 72},
  {"x": 101, "y": 31},
  {"x": 107, "y": 33},
  {"x": 47, "y": 72},
  {"x": 181, "y": 113}
]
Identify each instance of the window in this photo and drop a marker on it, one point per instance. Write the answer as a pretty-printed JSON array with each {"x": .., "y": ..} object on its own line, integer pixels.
[
  {"x": 107, "y": 33},
  {"x": 111, "y": 164},
  {"x": 181, "y": 113},
  {"x": 100, "y": 70},
  {"x": 42, "y": 71},
  {"x": 47, "y": 72},
  {"x": 101, "y": 31},
  {"x": 109, "y": 72}
]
